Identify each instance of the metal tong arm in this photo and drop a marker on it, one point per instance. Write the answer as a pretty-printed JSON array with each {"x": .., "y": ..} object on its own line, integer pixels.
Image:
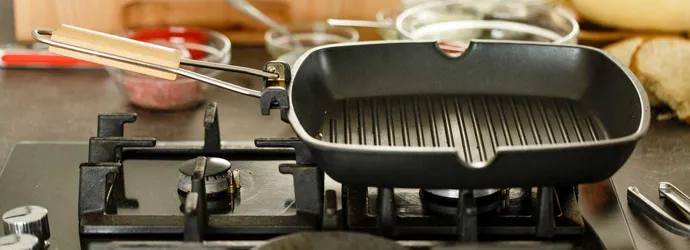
[
  {"x": 639, "y": 202},
  {"x": 230, "y": 68},
  {"x": 38, "y": 34},
  {"x": 360, "y": 23}
]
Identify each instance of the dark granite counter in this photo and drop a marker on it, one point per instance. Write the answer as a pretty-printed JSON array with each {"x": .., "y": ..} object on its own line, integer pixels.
[
  {"x": 662, "y": 155},
  {"x": 63, "y": 105}
]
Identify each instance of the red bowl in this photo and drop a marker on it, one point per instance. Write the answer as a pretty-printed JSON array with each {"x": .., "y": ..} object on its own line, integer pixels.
[{"x": 172, "y": 35}]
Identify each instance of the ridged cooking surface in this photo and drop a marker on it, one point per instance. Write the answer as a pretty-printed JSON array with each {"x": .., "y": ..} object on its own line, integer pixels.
[{"x": 477, "y": 124}]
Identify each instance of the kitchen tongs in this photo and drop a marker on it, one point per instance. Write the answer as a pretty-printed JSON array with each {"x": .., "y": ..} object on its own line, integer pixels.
[
  {"x": 149, "y": 59},
  {"x": 639, "y": 202}
]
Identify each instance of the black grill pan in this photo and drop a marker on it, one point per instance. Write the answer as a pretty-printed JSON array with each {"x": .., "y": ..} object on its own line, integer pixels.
[{"x": 501, "y": 115}]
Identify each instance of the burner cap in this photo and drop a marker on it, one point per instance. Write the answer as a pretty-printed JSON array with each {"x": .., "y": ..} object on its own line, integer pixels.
[
  {"x": 445, "y": 201},
  {"x": 214, "y": 166},
  {"x": 453, "y": 193},
  {"x": 216, "y": 175},
  {"x": 329, "y": 240}
]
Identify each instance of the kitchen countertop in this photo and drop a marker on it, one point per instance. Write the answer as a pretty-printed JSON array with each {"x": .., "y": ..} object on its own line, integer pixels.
[
  {"x": 662, "y": 155},
  {"x": 62, "y": 105}
]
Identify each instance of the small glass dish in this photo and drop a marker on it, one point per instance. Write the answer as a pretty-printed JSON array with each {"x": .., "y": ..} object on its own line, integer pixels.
[
  {"x": 498, "y": 20},
  {"x": 309, "y": 35},
  {"x": 388, "y": 16},
  {"x": 182, "y": 93},
  {"x": 422, "y": 18}
]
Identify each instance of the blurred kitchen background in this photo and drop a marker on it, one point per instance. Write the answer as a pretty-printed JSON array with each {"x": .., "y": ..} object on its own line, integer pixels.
[
  {"x": 41, "y": 100},
  {"x": 116, "y": 16},
  {"x": 6, "y": 22}
]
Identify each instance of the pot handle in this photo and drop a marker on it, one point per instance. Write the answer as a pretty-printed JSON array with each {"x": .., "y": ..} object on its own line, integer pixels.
[
  {"x": 150, "y": 59},
  {"x": 639, "y": 202}
]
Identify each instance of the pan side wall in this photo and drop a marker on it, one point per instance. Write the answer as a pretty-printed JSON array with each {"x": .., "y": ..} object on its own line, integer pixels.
[
  {"x": 611, "y": 97},
  {"x": 377, "y": 70},
  {"x": 552, "y": 167}
]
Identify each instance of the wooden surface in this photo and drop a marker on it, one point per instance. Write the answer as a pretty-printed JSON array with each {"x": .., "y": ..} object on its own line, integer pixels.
[
  {"x": 31, "y": 14},
  {"x": 116, "y": 16},
  {"x": 116, "y": 45},
  {"x": 96, "y": 15},
  {"x": 213, "y": 14}
]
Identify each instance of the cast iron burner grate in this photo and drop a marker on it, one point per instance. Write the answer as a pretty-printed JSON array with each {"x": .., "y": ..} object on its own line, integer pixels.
[{"x": 101, "y": 192}]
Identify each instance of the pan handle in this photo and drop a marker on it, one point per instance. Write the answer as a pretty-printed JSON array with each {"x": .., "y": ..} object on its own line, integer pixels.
[
  {"x": 639, "y": 202},
  {"x": 131, "y": 55}
]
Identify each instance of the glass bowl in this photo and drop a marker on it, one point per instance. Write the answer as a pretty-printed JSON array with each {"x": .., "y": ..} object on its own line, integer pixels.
[
  {"x": 551, "y": 3},
  {"x": 423, "y": 18},
  {"x": 309, "y": 35},
  {"x": 183, "y": 93},
  {"x": 497, "y": 20},
  {"x": 388, "y": 16}
]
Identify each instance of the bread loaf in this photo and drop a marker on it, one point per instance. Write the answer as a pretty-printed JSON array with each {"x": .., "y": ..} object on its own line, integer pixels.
[
  {"x": 661, "y": 65},
  {"x": 624, "y": 51},
  {"x": 656, "y": 15}
]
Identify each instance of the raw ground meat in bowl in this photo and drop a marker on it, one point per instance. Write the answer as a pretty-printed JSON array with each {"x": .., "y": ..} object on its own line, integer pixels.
[{"x": 183, "y": 93}]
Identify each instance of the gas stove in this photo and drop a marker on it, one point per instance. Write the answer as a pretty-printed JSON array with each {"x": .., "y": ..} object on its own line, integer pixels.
[{"x": 121, "y": 192}]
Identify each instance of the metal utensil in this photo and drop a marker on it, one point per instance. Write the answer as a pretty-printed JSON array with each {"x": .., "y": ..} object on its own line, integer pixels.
[
  {"x": 38, "y": 35},
  {"x": 252, "y": 11},
  {"x": 360, "y": 23},
  {"x": 639, "y": 202}
]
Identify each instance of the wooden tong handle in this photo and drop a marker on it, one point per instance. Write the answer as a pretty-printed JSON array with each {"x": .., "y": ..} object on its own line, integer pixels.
[{"x": 115, "y": 45}]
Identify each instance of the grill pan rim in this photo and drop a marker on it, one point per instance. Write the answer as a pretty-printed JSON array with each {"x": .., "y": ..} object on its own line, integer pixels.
[{"x": 329, "y": 146}]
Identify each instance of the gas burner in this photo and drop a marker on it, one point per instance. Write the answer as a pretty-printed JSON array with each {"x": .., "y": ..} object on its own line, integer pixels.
[
  {"x": 330, "y": 240},
  {"x": 221, "y": 203},
  {"x": 221, "y": 184},
  {"x": 218, "y": 176},
  {"x": 445, "y": 201},
  {"x": 208, "y": 213},
  {"x": 453, "y": 193}
]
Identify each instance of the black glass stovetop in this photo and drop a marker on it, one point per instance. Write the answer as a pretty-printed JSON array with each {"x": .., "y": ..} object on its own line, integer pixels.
[{"x": 47, "y": 174}]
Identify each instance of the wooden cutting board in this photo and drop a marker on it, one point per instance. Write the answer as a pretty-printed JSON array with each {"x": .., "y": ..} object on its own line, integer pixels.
[
  {"x": 115, "y": 16},
  {"x": 31, "y": 14}
]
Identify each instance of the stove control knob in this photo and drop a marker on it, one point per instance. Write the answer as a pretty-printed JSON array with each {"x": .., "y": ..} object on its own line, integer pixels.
[
  {"x": 31, "y": 220},
  {"x": 19, "y": 242}
]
